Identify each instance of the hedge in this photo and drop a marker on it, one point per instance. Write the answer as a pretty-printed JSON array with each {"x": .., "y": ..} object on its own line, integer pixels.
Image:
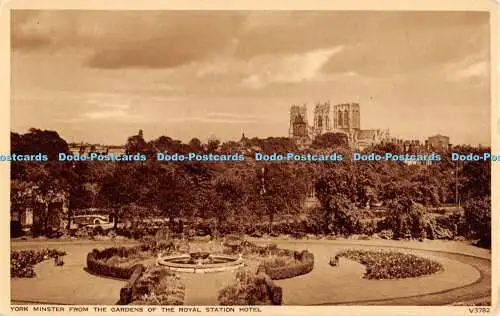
[
  {"x": 251, "y": 289},
  {"x": 304, "y": 264},
  {"x": 95, "y": 265},
  {"x": 22, "y": 262},
  {"x": 127, "y": 292}
]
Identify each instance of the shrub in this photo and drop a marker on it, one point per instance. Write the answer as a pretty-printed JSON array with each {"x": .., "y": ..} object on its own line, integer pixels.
[
  {"x": 391, "y": 264},
  {"x": 406, "y": 218},
  {"x": 334, "y": 261},
  {"x": 22, "y": 262},
  {"x": 386, "y": 234},
  {"x": 281, "y": 268},
  {"x": 158, "y": 286},
  {"x": 477, "y": 214},
  {"x": 251, "y": 289},
  {"x": 116, "y": 262},
  {"x": 16, "y": 229}
]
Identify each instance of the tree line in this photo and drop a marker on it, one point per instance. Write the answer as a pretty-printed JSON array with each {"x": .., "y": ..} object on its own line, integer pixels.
[{"x": 247, "y": 191}]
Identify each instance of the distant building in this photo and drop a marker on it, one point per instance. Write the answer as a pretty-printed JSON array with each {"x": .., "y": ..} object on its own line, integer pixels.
[
  {"x": 340, "y": 118},
  {"x": 438, "y": 142},
  {"x": 85, "y": 149}
]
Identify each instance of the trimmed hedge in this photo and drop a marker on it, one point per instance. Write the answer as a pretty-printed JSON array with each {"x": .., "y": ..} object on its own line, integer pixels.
[
  {"x": 97, "y": 266},
  {"x": 304, "y": 263},
  {"x": 304, "y": 260},
  {"x": 128, "y": 291}
]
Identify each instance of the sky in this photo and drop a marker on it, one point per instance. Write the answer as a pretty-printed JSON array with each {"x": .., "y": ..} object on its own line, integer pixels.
[{"x": 100, "y": 76}]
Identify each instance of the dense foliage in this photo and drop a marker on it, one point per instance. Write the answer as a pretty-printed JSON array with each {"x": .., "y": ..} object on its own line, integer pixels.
[
  {"x": 251, "y": 197},
  {"x": 22, "y": 262},
  {"x": 251, "y": 289},
  {"x": 391, "y": 264},
  {"x": 478, "y": 217},
  {"x": 158, "y": 286}
]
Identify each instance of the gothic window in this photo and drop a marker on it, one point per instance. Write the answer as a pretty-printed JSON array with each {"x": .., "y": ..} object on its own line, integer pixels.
[
  {"x": 320, "y": 121},
  {"x": 340, "y": 120},
  {"x": 346, "y": 118}
]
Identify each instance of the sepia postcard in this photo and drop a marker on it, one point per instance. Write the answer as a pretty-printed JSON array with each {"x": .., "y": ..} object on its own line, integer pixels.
[{"x": 283, "y": 157}]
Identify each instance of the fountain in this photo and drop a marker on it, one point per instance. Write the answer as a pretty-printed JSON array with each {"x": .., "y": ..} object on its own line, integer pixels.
[{"x": 200, "y": 262}]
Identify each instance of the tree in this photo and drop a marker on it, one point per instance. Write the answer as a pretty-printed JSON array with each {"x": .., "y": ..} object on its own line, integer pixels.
[
  {"x": 278, "y": 145},
  {"x": 406, "y": 218},
  {"x": 213, "y": 145},
  {"x": 339, "y": 216},
  {"x": 330, "y": 140},
  {"x": 38, "y": 141},
  {"x": 170, "y": 191},
  {"x": 136, "y": 144},
  {"x": 336, "y": 180},
  {"x": 167, "y": 144},
  {"x": 228, "y": 196},
  {"x": 195, "y": 145},
  {"x": 477, "y": 215},
  {"x": 286, "y": 187},
  {"x": 119, "y": 190},
  {"x": 476, "y": 179}
]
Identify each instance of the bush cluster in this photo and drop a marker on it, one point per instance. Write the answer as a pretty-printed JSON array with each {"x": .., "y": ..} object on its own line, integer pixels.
[
  {"x": 22, "y": 262},
  {"x": 96, "y": 263},
  {"x": 158, "y": 286},
  {"x": 391, "y": 264},
  {"x": 251, "y": 289},
  {"x": 277, "y": 269},
  {"x": 282, "y": 264}
]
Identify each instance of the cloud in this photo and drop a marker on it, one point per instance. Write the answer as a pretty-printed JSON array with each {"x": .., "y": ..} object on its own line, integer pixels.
[
  {"x": 106, "y": 115},
  {"x": 222, "y": 117},
  {"x": 478, "y": 69},
  {"x": 105, "y": 111},
  {"x": 107, "y": 105},
  {"x": 290, "y": 69},
  {"x": 161, "y": 39},
  {"x": 472, "y": 69},
  {"x": 204, "y": 119},
  {"x": 385, "y": 42}
]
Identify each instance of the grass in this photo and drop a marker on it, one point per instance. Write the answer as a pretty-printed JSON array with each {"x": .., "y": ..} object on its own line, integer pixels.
[{"x": 391, "y": 264}]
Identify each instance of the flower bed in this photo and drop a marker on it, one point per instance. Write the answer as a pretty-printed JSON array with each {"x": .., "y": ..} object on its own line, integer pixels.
[
  {"x": 391, "y": 264},
  {"x": 96, "y": 263},
  {"x": 279, "y": 268},
  {"x": 158, "y": 286},
  {"x": 277, "y": 263},
  {"x": 22, "y": 262},
  {"x": 251, "y": 289}
]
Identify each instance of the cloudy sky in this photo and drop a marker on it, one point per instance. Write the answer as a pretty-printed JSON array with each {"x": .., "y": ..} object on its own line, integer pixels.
[{"x": 100, "y": 76}]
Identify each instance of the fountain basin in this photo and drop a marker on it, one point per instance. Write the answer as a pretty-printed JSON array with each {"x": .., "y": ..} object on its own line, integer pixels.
[{"x": 212, "y": 263}]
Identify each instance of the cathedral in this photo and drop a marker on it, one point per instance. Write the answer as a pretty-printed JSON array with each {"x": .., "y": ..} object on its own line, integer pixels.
[{"x": 339, "y": 118}]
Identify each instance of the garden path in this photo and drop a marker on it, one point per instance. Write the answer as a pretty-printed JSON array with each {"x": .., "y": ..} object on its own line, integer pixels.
[{"x": 71, "y": 284}]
